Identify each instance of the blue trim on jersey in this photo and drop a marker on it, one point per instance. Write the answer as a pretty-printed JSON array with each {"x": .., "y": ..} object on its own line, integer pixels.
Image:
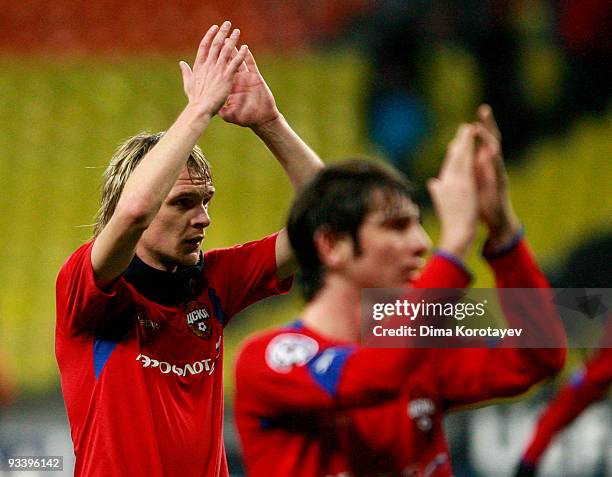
[
  {"x": 295, "y": 325},
  {"x": 504, "y": 248},
  {"x": 216, "y": 305},
  {"x": 493, "y": 342},
  {"x": 265, "y": 423},
  {"x": 576, "y": 380},
  {"x": 102, "y": 350},
  {"x": 326, "y": 369},
  {"x": 453, "y": 259}
]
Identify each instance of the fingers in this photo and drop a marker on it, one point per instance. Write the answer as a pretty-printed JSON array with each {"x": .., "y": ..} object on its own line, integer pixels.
[
  {"x": 491, "y": 146},
  {"x": 485, "y": 170},
  {"x": 228, "y": 46},
  {"x": 460, "y": 153},
  {"x": 238, "y": 60},
  {"x": 218, "y": 42},
  {"x": 250, "y": 62},
  {"x": 204, "y": 47},
  {"x": 243, "y": 66},
  {"x": 486, "y": 136},
  {"x": 433, "y": 186},
  {"x": 186, "y": 73},
  {"x": 485, "y": 116}
]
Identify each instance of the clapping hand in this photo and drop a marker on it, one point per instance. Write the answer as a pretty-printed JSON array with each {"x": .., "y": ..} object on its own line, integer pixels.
[
  {"x": 217, "y": 61},
  {"x": 250, "y": 102},
  {"x": 495, "y": 207}
]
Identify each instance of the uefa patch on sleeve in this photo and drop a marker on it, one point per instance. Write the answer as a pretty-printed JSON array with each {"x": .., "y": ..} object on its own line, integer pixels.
[{"x": 288, "y": 350}]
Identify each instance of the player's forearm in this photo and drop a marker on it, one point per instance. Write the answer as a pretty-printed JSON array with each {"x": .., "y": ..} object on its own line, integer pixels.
[
  {"x": 509, "y": 228},
  {"x": 533, "y": 311},
  {"x": 298, "y": 160},
  {"x": 458, "y": 243},
  {"x": 151, "y": 181}
]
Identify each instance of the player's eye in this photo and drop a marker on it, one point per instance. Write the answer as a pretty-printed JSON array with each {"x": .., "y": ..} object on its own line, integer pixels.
[{"x": 400, "y": 224}]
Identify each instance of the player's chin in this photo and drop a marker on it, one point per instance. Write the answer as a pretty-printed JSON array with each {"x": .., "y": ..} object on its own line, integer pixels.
[
  {"x": 189, "y": 259},
  {"x": 409, "y": 276},
  {"x": 389, "y": 282},
  {"x": 399, "y": 279},
  {"x": 398, "y": 282}
]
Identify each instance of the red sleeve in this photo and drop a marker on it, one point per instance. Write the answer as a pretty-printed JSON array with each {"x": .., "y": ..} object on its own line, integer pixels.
[
  {"x": 516, "y": 268},
  {"x": 443, "y": 271},
  {"x": 291, "y": 372},
  {"x": 585, "y": 387},
  {"x": 536, "y": 311},
  {"x": 471, "y": 375},
  {"x": 244, "y": 274},
  {"x": 82, "y": 307}
]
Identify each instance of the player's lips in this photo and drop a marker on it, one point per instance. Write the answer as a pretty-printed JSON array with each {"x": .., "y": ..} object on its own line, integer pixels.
[
  {"x": 412, "y": 270},
  {"x": 410, "y": 274},
  {"x": 194, "y": 242}
]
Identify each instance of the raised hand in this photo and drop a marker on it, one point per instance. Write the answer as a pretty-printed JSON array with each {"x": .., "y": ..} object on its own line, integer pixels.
[
  {"x": 250, "y": 102},
  {"x": 495, "y": 207},
  {"x": 454, "y": 194},
  {"x": 208, "y": 85}
]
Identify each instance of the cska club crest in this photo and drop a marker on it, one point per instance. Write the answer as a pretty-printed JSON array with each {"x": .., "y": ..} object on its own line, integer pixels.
[{"x": 198, "y": 319}]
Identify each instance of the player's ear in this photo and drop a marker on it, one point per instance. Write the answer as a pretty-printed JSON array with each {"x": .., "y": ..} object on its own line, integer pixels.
[{"x": 334, "y": 249}]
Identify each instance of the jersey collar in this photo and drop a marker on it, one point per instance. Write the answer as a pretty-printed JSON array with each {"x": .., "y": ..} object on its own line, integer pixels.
[{"x": 166, "y": 288}]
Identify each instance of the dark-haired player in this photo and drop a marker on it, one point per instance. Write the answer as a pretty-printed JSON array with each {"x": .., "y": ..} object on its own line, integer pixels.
[{"x": 310, "y": 401}]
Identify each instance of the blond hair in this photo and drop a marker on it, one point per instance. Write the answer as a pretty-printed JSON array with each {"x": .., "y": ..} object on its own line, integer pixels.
[{"x": 124, "y": 161}]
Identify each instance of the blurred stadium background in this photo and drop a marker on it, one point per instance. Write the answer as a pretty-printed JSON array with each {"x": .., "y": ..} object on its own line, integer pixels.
[{"x": 76, "y": 78}]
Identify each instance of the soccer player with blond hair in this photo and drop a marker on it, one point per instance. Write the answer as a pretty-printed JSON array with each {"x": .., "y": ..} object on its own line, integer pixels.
[{"x": 140, "y": 310}]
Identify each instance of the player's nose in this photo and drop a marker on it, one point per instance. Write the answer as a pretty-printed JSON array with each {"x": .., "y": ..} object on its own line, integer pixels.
[
  {"x": 202, "y": 218},
  {"x": 420, "y": 241}
]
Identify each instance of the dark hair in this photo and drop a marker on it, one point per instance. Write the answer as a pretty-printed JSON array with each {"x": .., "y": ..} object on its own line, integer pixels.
[{"x": 338, "y": 199}]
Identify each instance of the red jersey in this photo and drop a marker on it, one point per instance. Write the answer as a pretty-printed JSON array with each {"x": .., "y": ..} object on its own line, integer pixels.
[
  {"x": 587, "y": 385},
  {"x": 309, "y": 406},
  {"x": 141, "y": 362}
]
